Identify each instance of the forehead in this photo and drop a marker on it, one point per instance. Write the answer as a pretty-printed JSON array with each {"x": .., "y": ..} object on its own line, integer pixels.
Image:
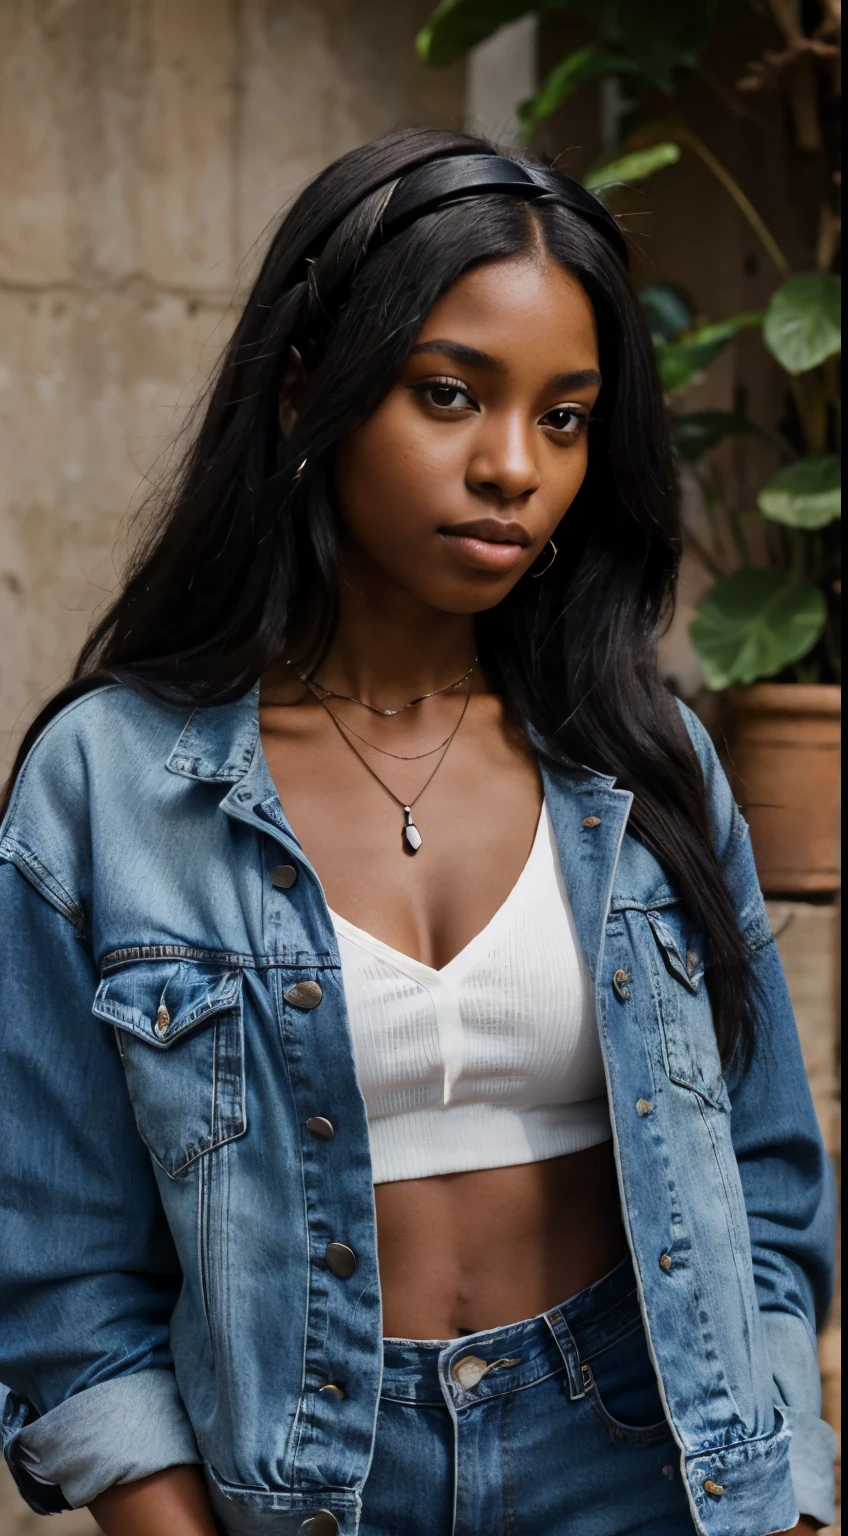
[{"x": 504, "y": 307}]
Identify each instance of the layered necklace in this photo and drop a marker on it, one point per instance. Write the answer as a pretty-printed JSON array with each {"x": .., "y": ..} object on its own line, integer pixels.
[{"x": 411, "y": 835}]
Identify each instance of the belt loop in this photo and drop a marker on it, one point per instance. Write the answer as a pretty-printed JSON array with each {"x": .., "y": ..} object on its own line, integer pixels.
[{"x": 579, "y": 1376}]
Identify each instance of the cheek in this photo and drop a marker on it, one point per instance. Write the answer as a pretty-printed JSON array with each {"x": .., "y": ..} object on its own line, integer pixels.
[{"x": 389, "y": 477}]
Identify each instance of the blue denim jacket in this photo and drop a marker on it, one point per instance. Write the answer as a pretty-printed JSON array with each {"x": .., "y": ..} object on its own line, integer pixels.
[{"x": 172, "y": 1015}]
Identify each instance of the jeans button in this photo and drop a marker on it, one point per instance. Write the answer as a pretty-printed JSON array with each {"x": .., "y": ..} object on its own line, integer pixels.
[
  {"x": 283, "y": 877},
  {"x": 468, "y": 1371}
]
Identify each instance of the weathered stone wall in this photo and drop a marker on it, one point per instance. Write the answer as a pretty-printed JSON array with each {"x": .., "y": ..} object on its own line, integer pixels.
[{"x": 144, "y": 147}]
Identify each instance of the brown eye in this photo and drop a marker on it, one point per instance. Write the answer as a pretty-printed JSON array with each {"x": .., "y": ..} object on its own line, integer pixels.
[
  {"x": 447, "y": 396},
  {"x": 566, "y": 420}
]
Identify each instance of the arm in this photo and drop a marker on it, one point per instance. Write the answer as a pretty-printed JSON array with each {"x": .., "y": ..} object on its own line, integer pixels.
[
  {"x": 89, "y": 1276},
  {"x": 786, "y": 1175},
  {"x": 171, "y": 1503}
]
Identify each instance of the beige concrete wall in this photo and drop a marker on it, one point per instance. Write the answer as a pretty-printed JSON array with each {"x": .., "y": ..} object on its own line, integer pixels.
[{"x": 144, "y": 147}]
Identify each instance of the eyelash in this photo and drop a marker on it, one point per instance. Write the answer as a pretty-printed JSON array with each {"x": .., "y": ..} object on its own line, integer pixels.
[{"x": 455, "y": 385}]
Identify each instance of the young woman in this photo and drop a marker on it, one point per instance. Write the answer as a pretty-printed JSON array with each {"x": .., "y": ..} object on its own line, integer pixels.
[{"x": 405, "y": 1128}]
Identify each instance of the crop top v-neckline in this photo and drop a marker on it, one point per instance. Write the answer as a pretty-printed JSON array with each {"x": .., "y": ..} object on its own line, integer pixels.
[
  {"x": 465, "y": 956},
  {"x": 494, "y": 1058}
]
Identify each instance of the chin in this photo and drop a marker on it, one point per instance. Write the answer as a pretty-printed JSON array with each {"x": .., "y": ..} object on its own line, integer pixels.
[{"x": 462, "y": 597}]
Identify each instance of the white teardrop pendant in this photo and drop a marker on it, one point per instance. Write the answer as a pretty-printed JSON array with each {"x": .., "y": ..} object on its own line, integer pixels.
[{"x": 411, "y": 834}]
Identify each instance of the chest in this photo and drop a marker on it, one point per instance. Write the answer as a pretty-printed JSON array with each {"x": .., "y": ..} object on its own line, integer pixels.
[{"x": 476, "y": 815}]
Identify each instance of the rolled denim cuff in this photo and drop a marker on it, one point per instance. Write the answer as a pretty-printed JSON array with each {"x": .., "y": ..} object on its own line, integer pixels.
[
  {"x": 812, "y": 1453},
  {"x": 791, "y": 1345},
  {"x": 116, "y": 1432}
]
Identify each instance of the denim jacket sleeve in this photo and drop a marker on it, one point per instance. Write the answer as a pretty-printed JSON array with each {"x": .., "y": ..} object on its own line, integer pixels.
[
  {"x": 782, "y": 1162},
  {"x": 88, "y": 1276}
]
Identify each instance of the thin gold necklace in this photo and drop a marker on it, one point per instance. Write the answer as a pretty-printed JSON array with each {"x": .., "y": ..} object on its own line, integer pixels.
[
  {"x": 349, "y": 698},
  {"x": 401, "y": 757},
  {"x": 412, "y": 838}
]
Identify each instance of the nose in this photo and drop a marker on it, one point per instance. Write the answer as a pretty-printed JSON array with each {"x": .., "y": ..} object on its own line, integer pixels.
[{"x": 503, "y": 462}]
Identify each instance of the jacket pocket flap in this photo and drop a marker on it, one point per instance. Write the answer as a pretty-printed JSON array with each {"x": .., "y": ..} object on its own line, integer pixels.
[
  {"x": 687, "y": 967},
  {"x": 162, "y": 1001}
]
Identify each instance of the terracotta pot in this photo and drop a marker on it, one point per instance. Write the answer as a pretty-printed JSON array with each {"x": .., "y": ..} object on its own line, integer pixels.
[{"x": 783, "y": 761}]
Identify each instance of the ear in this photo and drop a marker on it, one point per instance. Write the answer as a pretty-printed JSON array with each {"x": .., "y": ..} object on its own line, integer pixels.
[{"x": 292, "y": 392}]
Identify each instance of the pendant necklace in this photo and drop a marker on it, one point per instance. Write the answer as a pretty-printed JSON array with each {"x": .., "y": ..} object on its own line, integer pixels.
[
  {"x": 412, "y": 838},
  {"x": 321, "y": 693}
]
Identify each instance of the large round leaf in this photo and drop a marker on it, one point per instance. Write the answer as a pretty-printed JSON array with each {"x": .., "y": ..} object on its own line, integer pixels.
[
  {"x": 754, "y": 623},
  {"x": 802, "y": 323},
  {"x": 804, "y": 495}
]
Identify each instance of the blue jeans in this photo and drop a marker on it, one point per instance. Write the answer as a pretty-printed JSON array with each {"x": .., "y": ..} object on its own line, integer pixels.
[{"x": 550, "y": 1427}]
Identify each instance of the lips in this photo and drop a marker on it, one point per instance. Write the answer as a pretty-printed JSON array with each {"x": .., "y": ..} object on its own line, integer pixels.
[
  {"x": 490, "y": 530},
  {"x": 487, "y": 544}
]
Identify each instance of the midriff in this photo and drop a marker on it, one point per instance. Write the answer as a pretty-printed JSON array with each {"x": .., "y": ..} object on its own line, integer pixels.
[{"x": 463, "y": 1252}]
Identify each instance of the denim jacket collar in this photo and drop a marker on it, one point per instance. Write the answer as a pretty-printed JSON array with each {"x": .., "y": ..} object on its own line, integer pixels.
[{"x": 219, "y": 743}]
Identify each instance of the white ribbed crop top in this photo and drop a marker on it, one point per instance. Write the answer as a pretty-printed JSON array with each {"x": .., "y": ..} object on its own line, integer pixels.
[{"x": 494, "y": 1059}]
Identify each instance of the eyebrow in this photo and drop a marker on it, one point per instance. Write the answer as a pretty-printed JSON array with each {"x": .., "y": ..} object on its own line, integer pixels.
[{"x": 578, "y": 378}]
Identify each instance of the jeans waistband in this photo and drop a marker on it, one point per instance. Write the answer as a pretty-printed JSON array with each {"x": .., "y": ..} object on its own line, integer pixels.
[{"x": 497, "y": 1360}]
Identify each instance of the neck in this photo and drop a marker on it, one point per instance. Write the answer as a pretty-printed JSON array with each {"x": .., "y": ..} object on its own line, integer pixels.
[{"x": 389, "y": 647}]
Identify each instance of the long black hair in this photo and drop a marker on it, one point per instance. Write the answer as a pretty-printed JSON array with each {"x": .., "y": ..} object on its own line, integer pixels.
[{"x": 241, "y": 537}]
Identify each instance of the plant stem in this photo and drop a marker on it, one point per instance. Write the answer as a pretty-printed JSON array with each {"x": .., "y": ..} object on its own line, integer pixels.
[
  {"x": 731, "y": 185},
  {"x": 809, "y": 392}
]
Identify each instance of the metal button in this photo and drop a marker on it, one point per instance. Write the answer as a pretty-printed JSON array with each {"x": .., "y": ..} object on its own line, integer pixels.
[
  {"x": 320, "y": 1127},
  {"x": 716, "y": 1489},
  {"x": 323, "y": 1523},
  {"x": 591, "y": 821},
  {"x": 341, "y": 1260},
  {"x": 163, "y": 1019},
  {"x": 283, "y": 877},
  {"x": 304, "y": 994},
  {"x": 619, "y": 981},
  {"x": 643, "y": 1106},
  {"x": 468, "y": 1371},
  {"x": 333, "y": 1390},
  {"x": 666, "y": 1262}
]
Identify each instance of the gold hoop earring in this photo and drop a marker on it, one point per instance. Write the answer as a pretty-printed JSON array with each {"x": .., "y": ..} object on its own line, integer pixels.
[{"x": 537, "y": 574}]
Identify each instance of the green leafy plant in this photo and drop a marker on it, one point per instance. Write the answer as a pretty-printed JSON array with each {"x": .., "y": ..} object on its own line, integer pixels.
[
  {"x": 773, "y": 608},
  {"x": 641, "y": 43}
]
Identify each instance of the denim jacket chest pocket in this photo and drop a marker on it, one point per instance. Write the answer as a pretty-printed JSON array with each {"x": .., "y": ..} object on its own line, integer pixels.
[
  {"x": 690, "y": 1049},
  {"x": 179, "y": 1030}
]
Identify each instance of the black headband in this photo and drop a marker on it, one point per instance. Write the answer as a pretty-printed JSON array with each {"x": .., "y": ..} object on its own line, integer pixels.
[{"x": 455, "y": 177}]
